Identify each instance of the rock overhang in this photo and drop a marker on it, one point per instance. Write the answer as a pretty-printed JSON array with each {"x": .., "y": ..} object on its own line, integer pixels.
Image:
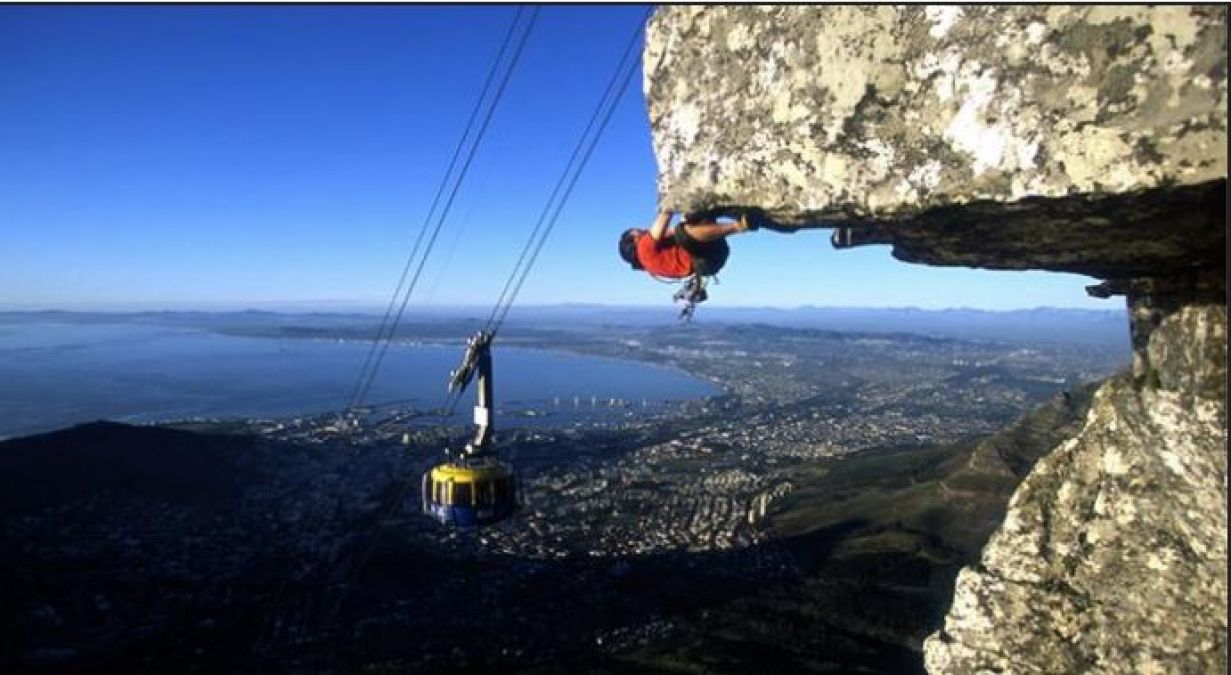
[{"x": 1080, "y": 139}]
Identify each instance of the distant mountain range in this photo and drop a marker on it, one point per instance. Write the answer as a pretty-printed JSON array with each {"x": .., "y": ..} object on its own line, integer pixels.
[{"x": 1040, "y": 325}]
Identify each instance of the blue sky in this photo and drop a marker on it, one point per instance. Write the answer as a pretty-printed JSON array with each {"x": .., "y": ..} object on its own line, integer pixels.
[{"x": 181, "y": 155}]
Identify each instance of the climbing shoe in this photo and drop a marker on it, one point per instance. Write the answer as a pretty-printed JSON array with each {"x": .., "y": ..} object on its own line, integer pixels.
[{"x": 746, "y": 224}]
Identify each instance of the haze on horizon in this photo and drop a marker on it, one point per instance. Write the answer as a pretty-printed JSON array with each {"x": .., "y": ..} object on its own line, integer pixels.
[{"x": 236, "y": 157}]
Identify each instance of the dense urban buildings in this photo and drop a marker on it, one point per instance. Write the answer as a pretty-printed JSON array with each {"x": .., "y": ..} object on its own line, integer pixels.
[{"x": 304, "y": 547}]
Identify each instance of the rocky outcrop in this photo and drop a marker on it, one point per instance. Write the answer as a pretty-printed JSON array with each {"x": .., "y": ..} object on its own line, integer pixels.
[
  {"x": 1113, "y": 555},
  {"x": 1079, "y": 139}
]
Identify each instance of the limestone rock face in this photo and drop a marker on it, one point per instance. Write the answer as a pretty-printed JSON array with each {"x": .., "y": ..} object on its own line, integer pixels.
[
  {"x": 1113, "y": 555},
  {"x": 1095, "y": 124}
]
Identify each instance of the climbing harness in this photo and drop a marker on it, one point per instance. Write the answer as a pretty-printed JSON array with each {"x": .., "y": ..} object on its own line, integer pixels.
[{"x": 691, "y": 292}]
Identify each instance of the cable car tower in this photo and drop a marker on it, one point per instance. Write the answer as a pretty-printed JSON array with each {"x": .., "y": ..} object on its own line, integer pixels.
[{"x": 472, "y": 487}]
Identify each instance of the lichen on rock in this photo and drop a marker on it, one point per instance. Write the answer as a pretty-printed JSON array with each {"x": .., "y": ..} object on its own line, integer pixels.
[
  {"x": 885, "y": 111},
  {"x": 1087, "y": 139},
  {"x": 816, "y": 116},
  {"x": 1113, "y": 556}
]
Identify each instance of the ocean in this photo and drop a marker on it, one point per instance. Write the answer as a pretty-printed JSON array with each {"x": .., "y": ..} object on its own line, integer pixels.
[{"x": 56, "y": 374}]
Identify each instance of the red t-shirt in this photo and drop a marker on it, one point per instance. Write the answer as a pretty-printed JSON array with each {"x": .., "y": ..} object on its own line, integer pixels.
[{"x": 663, "y": 258}]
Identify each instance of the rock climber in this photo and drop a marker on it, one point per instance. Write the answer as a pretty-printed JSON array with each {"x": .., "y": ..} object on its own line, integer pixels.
[{"x": 695, "y": 247}]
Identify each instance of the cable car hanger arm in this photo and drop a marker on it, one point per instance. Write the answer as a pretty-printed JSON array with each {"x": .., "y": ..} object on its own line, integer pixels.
[{"x": 478, "y": 359}]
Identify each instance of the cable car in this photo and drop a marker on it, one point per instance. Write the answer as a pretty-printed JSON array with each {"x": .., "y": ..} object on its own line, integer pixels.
[
  {"x": 470, "y": 492},
  {"x": 473, "y": 487}
]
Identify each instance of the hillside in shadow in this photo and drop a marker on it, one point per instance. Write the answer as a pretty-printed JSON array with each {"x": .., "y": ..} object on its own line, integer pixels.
[{"x": 859, "y": 567}]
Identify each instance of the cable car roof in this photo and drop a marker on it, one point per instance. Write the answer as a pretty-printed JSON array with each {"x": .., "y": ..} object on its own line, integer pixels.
[{"x": 468, "y": 474}]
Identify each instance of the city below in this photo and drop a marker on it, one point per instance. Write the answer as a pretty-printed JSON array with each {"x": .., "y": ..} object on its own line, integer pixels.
[{"x": 809, "y": 494}]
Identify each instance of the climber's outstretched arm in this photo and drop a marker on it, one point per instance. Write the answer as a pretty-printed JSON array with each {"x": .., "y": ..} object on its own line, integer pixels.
[{"x": 659, "y": 229}]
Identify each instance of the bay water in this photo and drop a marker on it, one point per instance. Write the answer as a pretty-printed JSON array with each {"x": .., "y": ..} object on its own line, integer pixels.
[{"x": 55, "y": 374}]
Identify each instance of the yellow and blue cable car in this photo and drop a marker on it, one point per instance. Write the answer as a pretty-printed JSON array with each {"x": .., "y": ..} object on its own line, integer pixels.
[
  {"x": 473, "y": 488},
  {"x": 470, "y": 492}
]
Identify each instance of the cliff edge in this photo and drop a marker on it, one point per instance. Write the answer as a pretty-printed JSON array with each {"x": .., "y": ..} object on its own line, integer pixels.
[{"x": 1078, "y": 139}]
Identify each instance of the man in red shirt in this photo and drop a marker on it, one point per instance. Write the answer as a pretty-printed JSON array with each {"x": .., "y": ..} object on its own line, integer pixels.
[{"x": 695, "y": 246}]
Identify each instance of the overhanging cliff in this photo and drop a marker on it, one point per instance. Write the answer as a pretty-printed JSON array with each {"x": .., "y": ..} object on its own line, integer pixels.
[
  {"x": 1113, "y": 555},
  {"x": 1078, "y": 139}
]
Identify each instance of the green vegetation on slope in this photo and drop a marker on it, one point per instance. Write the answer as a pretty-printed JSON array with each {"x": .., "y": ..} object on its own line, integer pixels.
[{"x": 879, "y": 537}]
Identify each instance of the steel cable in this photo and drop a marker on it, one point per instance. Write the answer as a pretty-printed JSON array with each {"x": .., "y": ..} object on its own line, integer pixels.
[
  {"x": 519, "y": 273},
  {"x": 440, "y": 189},
  {"x": 567, "y": 181},
  {"x": 372, "y": 362},
  {"x": 381, "y": 347}
]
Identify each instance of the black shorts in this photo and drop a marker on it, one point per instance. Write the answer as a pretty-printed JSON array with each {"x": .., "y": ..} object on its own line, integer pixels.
[{"x": 707, "y": 256}]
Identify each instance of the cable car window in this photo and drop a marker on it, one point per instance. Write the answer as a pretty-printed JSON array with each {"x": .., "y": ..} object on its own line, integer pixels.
[
  {"x": 461, "y": 494},
  {"x": 483, "y": 493}
]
